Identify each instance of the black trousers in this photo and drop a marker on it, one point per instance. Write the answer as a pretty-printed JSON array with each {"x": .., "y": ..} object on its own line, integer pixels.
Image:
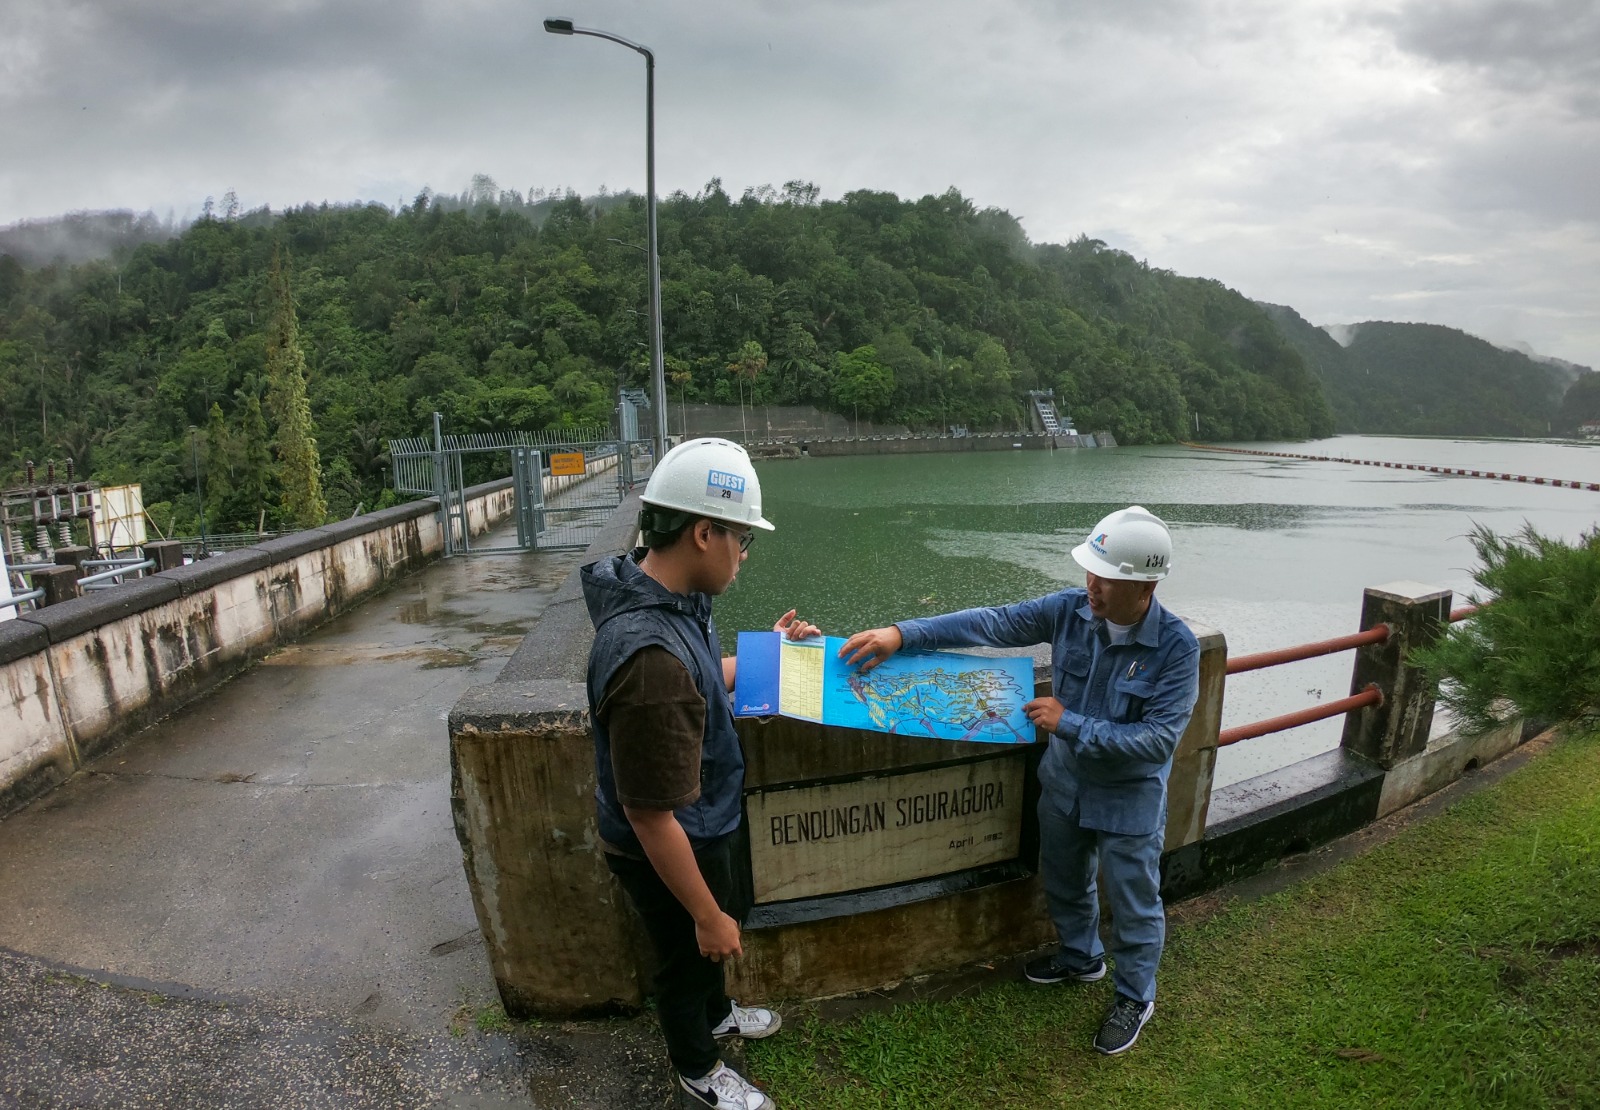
[{"x": 691, "y": 999}]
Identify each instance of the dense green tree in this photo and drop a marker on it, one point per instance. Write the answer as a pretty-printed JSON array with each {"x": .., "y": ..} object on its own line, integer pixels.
[
  {"x": 1580, "y": 405},
  {"x": 1535, "y": 643},
  {"x": 501, "y": 309},
  {"x": 1422, "y": 379},
  {"x": 299, "y": 468},
  {"x": 862, "y": 384}
]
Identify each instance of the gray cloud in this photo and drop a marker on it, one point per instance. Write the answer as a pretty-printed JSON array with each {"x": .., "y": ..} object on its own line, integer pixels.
[
  {"x": 1521, "y": 45},
  {"x": 1421, "y": 161}
]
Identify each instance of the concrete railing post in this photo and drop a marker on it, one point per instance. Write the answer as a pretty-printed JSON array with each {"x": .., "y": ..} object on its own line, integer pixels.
[
  {"x": 166, "y": 554},
  {"x": 1189, "y": 785},
  {"x": 1193, "y": 766},
  {"x": 1417, "y": 615},
  {"x": 73, "y": 557},
  {"x": 58, "y": 583}
]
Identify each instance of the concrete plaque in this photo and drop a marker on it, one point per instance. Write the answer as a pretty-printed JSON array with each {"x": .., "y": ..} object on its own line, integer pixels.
[
  {"x": 808, "y": 841},
  {"x": 566, "y": 464}
]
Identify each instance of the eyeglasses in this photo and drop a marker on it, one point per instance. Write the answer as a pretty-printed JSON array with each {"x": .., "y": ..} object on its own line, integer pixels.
[{"x": 746, "y": 538}]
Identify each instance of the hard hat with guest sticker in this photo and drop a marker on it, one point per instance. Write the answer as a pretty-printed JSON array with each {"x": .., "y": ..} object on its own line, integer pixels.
[{"x": 711, "y": 478}]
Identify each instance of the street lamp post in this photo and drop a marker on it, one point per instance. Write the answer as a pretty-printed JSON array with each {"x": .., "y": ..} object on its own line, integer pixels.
[
  {"x": 199, "y": 494},
  {"x": 658, "y": 375}
]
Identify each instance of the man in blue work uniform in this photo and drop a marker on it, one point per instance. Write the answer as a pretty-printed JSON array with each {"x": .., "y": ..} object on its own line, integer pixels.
[
  {"x": 1126, "y": 675},
  {"x": 668, "y": 767}
]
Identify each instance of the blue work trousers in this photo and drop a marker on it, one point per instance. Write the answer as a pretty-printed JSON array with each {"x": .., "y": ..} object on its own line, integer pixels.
[{"x": 1070, "y": 858}]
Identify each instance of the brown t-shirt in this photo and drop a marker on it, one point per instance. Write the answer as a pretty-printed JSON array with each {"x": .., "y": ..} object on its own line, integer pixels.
[{"x": 656, "y": 719}]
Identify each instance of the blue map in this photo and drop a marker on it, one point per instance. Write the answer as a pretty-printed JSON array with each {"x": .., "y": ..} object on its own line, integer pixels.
[{"x": 934, "y": 694}]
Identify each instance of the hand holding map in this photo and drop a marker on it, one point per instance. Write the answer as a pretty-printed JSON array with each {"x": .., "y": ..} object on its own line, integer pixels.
[
  {"x": 867, "y": 649},
  {"x": 794, "y": 628},
  {"x": 1045, "y": 713}
]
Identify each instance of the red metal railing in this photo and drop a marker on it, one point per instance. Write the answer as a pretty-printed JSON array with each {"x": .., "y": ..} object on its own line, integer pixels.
[
  {"x": 1377, "y": 634},
  {"x": 1370, "y": 696}
]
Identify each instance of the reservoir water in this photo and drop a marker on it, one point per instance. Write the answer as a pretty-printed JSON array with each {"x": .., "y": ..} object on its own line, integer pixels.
[{"x": 1272, "y": 552}]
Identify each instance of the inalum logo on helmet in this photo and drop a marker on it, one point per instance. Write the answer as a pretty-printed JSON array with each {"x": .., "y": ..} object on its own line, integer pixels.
[
  {"x": 1099, "y": 544},
  {"x": 727, "y": 487}
]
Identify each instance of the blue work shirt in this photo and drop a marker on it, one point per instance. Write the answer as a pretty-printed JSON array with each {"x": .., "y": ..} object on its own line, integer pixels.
[{"x": 1126, "y": 704}]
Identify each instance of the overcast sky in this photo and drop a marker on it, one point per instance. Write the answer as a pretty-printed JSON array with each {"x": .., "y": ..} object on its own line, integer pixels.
[{"x": 1426, "y": 160}]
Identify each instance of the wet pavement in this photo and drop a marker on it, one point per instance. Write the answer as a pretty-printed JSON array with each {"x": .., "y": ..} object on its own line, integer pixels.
[{"x": 261, "y": 899}]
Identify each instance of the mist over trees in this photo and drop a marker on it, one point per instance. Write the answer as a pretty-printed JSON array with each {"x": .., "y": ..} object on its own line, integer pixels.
[
  {"x": 506, "y": 310},
  {"x": 1580, "y": 404},
  {"x": 82, "y": 236},
  {"x": 1424, "y": 379}
]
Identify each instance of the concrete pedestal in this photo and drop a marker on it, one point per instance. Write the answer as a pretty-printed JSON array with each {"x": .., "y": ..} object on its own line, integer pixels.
[
  {"x": 58, "y": 583},
  {"x": 166, "y": 554},
  {"x": 1417, "y": 615},
  {"x": 73, "y": 557}
]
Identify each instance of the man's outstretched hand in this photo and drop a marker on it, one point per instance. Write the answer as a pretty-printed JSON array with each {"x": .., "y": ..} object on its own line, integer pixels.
[
  {"x": 795, "y": 629},
  {"x": 867, "y": 649}
]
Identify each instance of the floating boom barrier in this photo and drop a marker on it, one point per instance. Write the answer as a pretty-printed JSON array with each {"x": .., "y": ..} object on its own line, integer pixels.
[{"x": 1454, "y": 470}]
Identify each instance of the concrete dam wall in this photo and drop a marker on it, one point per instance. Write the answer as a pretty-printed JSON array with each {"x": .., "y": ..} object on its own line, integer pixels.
[{"x": 79, "y": 677}]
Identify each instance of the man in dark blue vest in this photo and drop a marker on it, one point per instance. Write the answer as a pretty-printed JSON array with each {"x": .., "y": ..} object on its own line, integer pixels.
[{"x": 668, "y": 766}]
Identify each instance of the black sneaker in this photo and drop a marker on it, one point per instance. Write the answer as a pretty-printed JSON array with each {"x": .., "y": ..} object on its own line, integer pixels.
[
  {"x": 1047, "y": 969},
  {"x": 1121, "y": 1027}
]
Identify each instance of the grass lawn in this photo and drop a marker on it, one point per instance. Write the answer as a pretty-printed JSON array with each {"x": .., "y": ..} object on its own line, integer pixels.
[{"x": 1456, "y": 965}]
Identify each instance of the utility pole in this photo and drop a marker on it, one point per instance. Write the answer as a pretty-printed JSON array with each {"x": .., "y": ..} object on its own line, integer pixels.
[
  {"x": 658, "y": 374},
  {"x": 199, "y": 493}
]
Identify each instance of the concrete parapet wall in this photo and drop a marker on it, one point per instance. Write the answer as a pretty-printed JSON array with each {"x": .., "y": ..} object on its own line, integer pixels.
[
  {"x": 1445, "y": 759},
  {"x": 79, "y": 677},
  {"x": 558, "y": 929},
  {"x": 560, "y": 935},
  {"x": 879, "y": 948}
]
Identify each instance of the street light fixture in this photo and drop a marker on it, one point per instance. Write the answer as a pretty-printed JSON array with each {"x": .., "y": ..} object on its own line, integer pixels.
[{"x": 658, "y": 375}]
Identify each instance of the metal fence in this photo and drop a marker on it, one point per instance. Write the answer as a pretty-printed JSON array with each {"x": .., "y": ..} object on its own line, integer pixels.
[
  {"x": 570, "y": 509},
  {"x": 113, "y": 572},
  {"x": 566, "y": 481}
]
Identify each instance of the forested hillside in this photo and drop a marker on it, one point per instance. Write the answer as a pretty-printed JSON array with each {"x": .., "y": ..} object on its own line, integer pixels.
[
  {"x": 1423, "y": 379},
  {"x": 502, "y": 313},
  {"x": 1580, "y": 405}
]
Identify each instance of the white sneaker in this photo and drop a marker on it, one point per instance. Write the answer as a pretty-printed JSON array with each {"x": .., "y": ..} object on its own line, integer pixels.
[
  {"x": 750, "y": 1022},
  {"x": 726, "y": 1089}
]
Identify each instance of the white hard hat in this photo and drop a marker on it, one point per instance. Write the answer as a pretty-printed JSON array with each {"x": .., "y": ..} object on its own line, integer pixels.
[
  {"x": 1131, "y": 544},
  {"x": 708, "y": 477}
]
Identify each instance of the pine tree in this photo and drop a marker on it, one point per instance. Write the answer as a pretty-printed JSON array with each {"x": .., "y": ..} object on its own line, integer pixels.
[
  {"x": 299, "y": 469},
  {"x": 254, "y": 479},
  {"x": 219, "y": 470}
]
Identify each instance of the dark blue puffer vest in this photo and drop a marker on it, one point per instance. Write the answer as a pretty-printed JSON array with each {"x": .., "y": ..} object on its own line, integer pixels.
[{"x": 631, "y": 610}]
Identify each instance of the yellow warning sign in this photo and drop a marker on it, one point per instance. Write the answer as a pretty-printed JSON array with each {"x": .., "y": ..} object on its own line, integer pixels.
[{"x": 567, "y": 463}]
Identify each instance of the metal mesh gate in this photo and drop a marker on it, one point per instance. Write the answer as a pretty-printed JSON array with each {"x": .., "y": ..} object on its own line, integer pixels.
[
  {"x": 581, "y": 485},
  {"x": 566, "y": 482}
]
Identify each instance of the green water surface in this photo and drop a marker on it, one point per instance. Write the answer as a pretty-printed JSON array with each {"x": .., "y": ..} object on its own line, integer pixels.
[{"x": 1272, "y": 552}]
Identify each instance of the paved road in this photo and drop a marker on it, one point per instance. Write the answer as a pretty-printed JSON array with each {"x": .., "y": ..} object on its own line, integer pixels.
[{"x": 269, "y": 886}]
